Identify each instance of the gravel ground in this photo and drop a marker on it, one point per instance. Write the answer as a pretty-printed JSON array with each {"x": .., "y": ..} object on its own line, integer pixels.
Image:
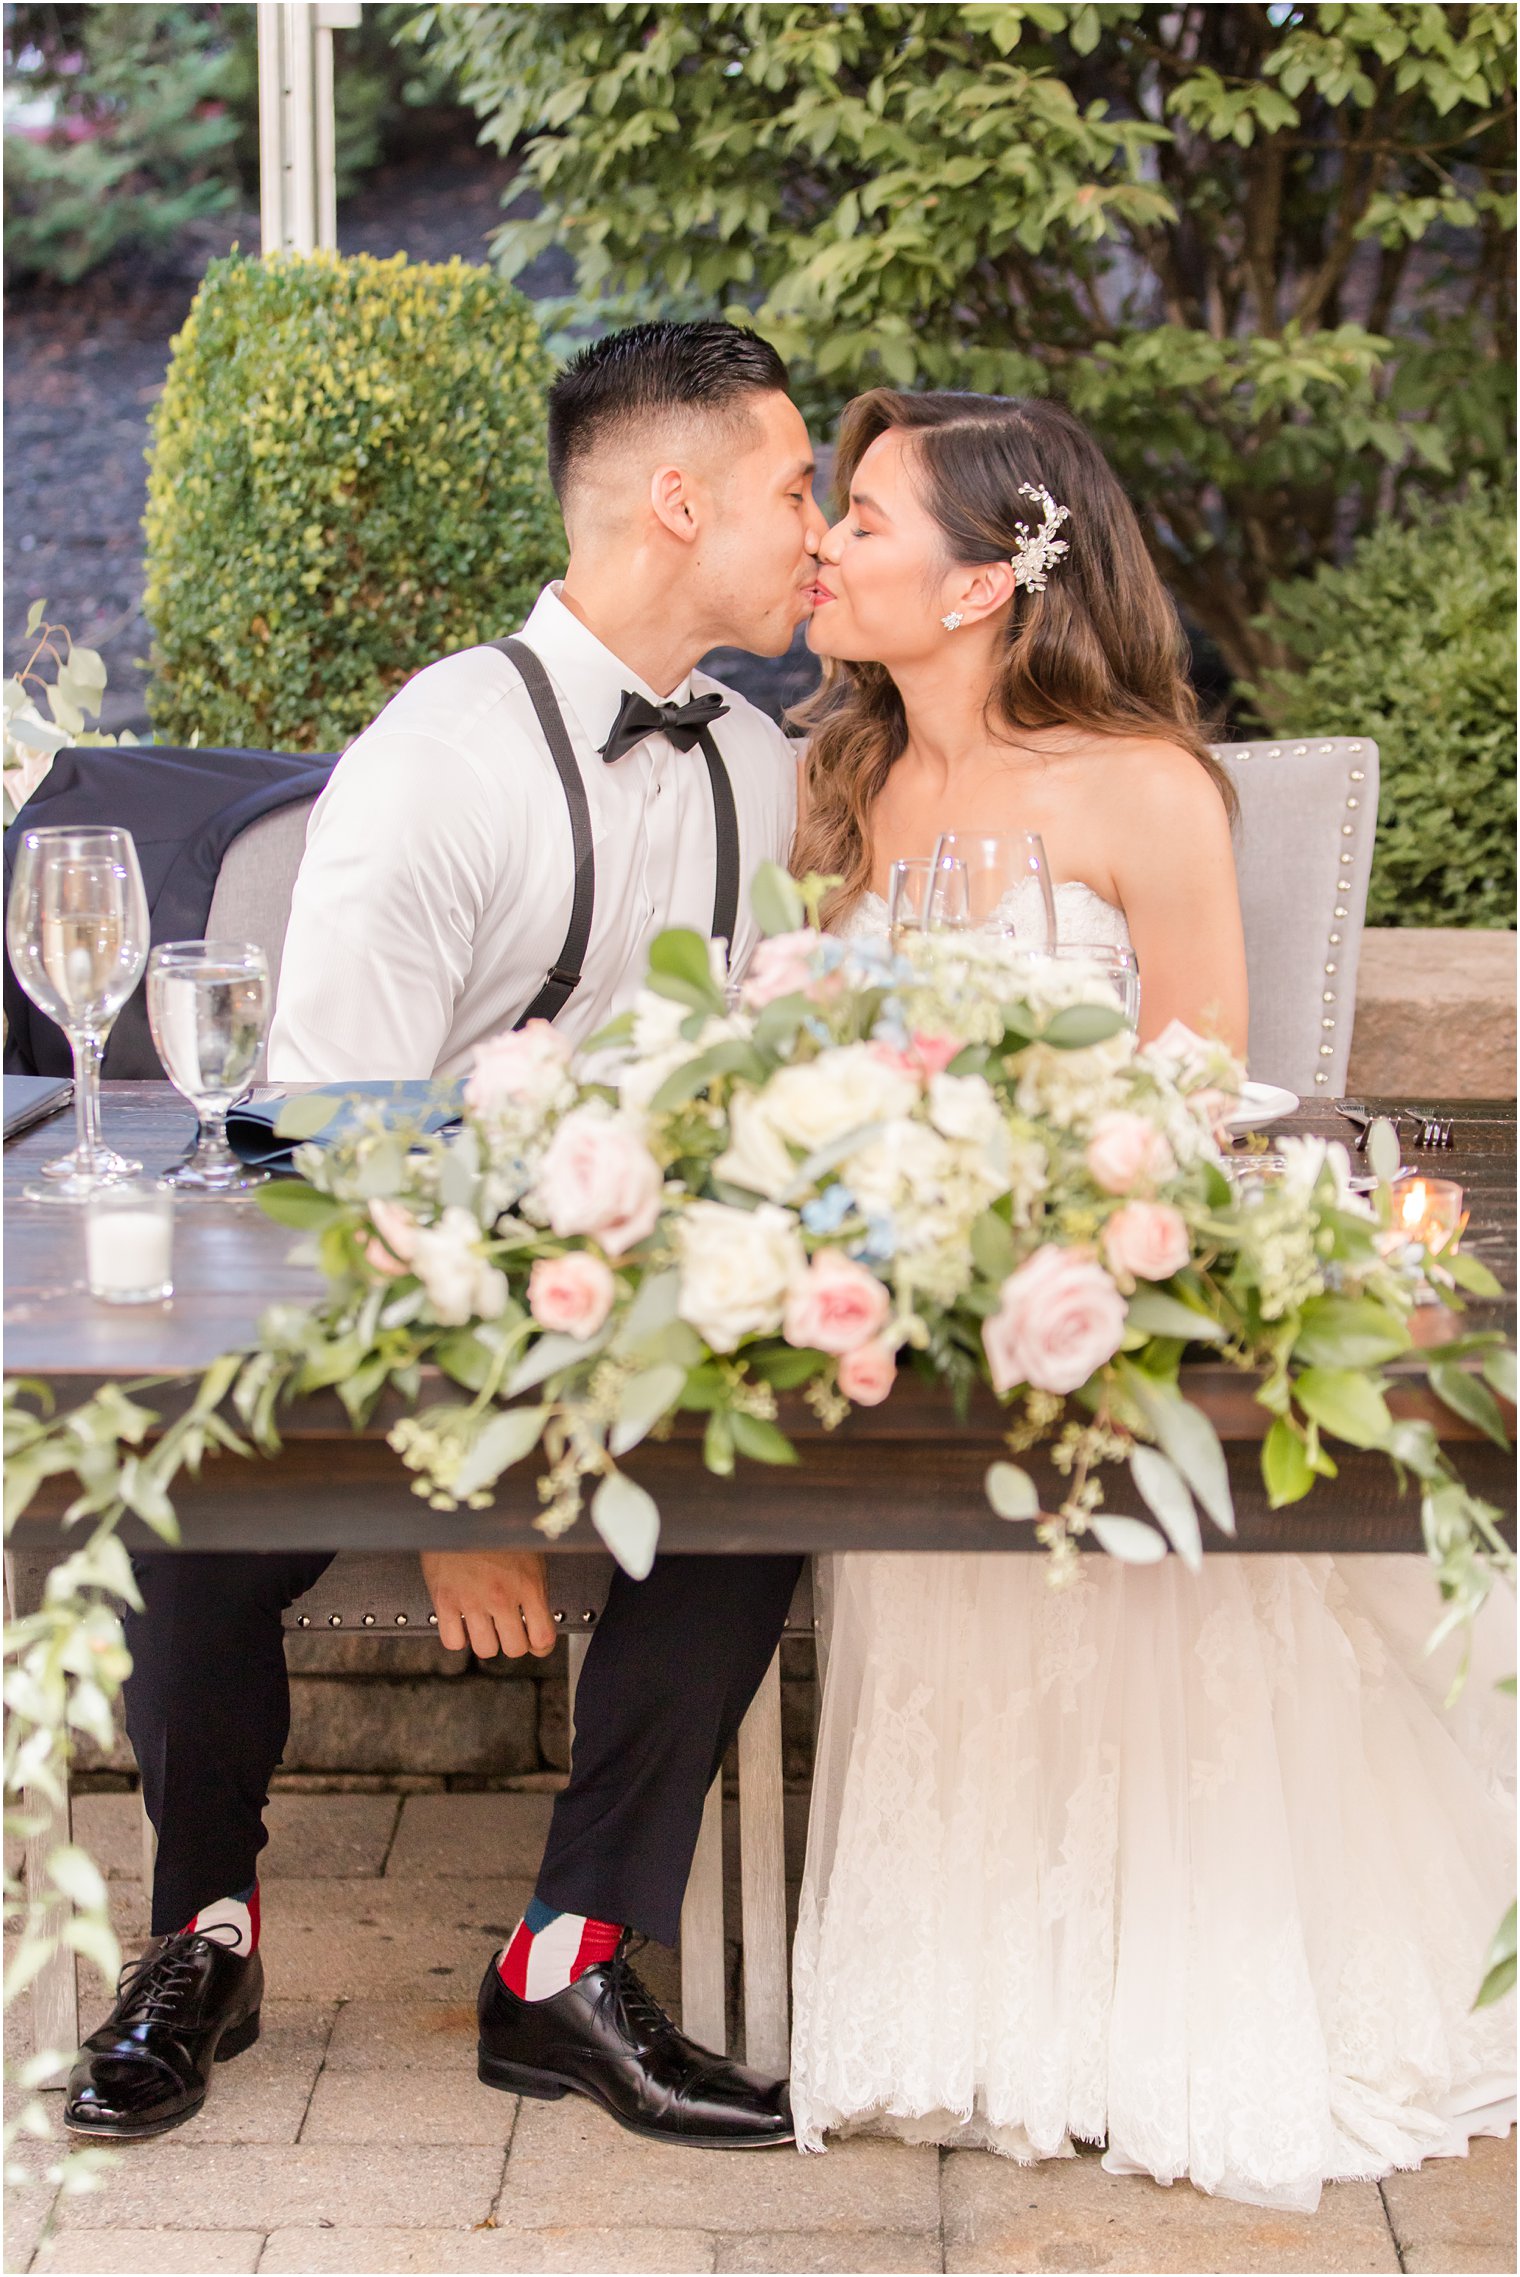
[{"x": 84, "y": 367}]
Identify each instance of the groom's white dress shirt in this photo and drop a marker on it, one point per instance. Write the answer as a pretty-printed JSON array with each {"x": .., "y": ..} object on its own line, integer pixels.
[{"x": 436, "y": 884}]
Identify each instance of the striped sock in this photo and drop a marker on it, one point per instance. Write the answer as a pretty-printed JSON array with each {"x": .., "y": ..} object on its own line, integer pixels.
[
  {"x": 239, "y": 1912},
  {"x": 547, "y": 1950}
]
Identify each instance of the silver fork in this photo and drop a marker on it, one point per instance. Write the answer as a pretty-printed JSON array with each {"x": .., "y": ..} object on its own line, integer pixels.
[{"x": 1434, "y": 1132}]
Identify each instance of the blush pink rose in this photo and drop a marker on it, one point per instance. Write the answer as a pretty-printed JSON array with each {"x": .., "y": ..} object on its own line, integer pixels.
[
  {"x": 1146, "y": 1241},
  {"x": 867, "y": 1374},
  {"x": 571, "y": 1295},
  {"x": 392, "y": 1254},
  {"x": 526, "y": 1063},
  {"x": 781, "y": 966},
  {"x": 1126, "y": 1151},
  {"x": 926, "y": 1056},
  {"x": 599, "y": 1178},
  {"x": 835, "y": 1306},
  {"x": 1059, "y": 1317}
]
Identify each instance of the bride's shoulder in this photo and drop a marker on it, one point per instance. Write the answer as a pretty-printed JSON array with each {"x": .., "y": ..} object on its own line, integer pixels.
[{"x": 1150, "y": 775}]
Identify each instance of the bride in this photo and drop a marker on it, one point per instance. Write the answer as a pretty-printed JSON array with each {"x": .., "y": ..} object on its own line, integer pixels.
[{"x": 1197, "y": 1867}]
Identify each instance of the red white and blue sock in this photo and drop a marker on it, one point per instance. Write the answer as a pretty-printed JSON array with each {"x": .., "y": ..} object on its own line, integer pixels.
[
  {"x": 547, "y": 1950},
  {"x": 239, "y": 1913}
]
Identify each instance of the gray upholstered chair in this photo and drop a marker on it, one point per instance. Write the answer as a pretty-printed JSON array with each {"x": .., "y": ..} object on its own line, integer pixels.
[{"x": 1303, "y": 854}]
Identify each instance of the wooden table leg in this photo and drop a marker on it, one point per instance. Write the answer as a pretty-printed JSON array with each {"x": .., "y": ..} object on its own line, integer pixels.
[
  {"x": 762, "y": 1860},
  {"x": 703, "y": 1957}
]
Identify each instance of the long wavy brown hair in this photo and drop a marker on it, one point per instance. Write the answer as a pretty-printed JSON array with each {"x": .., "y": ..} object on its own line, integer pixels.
[{"x": 1100, "y": 649}]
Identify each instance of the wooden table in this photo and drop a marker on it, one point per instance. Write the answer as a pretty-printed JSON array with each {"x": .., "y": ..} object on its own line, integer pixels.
[{"x": 902, "y": 1476}]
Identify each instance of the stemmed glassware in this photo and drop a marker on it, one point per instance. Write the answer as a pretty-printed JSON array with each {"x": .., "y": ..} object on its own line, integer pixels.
[
  {"x": 926, "y": 897},
  {"x": 208, "y": 1007},
  {"x": 77, "y": 930},
  {"x": 998, "y": 866},
  {"x": 1110, "y": 963}
]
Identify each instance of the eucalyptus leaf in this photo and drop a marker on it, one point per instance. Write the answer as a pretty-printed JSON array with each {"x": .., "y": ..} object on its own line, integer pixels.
[
  {"x": 305, "y": 1115},
  {"x": 992, "y": 1247},
  {"x": 75, "y": 1872},
  {"x": 777, "y": 904},
  {"x": 1011, "y": 1491},
  {"x": 680, "y": 954},
  {"x": 509, "y": 1435},
  {"x": 1383, "y": 1149},
  {"x": 1155, "y": 1313},
  {"x": 34, "y": 617},
  {"x": 1285, "y": 1467},
  {"x": 1499, "y": 1372},
  {"x": 1348, "y": 1332},
  {"x": 1470, "y": 1273},
  {"x": 824, "y": 1158},
  {"x": 1128, "y": 1539},
  {"x": 653, "y": 1308},
  {"x": 760, "y": 1440},
  {"x": 1165, "y": 1494},
  {"x": 1188, "y": 1438},
  {"x": 732, "y": 1057},
  {"x": 1469, "y": 1397},
  {"x": 643, "y": 1399},
  {"x": 628, "y": 1521},
  {"x": 1077, "y": 1026},
  {"x": 548, "y": 1356},
  {"x": 1347, "y": 1405}
]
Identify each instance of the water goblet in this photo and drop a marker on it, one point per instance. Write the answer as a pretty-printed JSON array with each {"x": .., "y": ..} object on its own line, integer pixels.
[
  {"x": 1008, "y": 883},
  {"x": 926, "y": 897},
  {"x": 1109, "y": 962},
  {"x": 208, "y": 1007},
  {"x": 77, "y": 930}
]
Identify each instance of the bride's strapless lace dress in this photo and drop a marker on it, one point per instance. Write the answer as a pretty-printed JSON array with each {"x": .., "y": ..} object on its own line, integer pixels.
[{"x": 1195, "y": 1866}]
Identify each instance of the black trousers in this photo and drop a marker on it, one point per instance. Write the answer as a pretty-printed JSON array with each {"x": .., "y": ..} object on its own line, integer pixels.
[{"x": 673, "y": 1663}]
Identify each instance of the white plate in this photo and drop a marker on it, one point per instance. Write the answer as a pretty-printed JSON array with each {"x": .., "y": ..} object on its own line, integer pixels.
[{"x": 1260, "y": 1104}]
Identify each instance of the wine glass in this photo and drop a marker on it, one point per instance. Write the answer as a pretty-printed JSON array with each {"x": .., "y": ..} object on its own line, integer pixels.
[
  {"x": 208, "y": 1007},
  {"x": 926, "y": 897},
  {"x": 999, "y": 867},
  {"x": 1107, "y": 961},
  {"x": 77, "y": 931}
]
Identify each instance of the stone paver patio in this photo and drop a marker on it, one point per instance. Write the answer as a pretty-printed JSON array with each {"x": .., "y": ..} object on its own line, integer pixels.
[{"x": 355, "y": 2136}]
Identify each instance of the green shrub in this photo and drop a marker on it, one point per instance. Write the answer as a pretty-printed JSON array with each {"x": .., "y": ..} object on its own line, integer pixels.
[
  {"x": 1413, "y": 643},
  {"x": 347, "y": 480},
  {"x": 143, "y": 142}
]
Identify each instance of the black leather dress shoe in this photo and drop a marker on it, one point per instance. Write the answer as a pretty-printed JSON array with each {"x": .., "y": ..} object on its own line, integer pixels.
[
  {"x": 606, "y": 2037},
  {"x": 186, "y": 2005}
]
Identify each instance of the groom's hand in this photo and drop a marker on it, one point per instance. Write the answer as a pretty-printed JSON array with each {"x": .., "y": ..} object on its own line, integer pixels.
[{"x": 491, "y": 1600}]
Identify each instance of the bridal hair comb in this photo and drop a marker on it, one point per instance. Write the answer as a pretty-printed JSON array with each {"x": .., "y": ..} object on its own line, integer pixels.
[{"x": 1039, "y": 550}]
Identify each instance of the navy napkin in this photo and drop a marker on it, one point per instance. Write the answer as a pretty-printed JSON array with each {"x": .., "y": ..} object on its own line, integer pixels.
[{"x": 252, "y": 1135}]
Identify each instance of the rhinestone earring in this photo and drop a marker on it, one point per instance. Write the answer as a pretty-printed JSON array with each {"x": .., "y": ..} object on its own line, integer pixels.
[{"x": 951, "y": 621}]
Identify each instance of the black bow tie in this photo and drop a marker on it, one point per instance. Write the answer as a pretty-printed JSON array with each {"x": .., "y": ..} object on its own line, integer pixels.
[{"x": 683, "y": 723}]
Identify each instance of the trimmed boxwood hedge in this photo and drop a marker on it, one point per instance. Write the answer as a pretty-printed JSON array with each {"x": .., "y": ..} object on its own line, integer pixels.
[
  {"x": 347, "y": 480},
  {"x": 1413, "y": 643}
]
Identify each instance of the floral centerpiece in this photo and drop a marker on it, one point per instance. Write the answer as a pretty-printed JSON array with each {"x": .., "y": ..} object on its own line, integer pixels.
[{"x": 936, "y": 1154}]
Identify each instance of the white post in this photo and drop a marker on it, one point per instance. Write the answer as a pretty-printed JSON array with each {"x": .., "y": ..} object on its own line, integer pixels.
[{"x": 298, "y": 203}]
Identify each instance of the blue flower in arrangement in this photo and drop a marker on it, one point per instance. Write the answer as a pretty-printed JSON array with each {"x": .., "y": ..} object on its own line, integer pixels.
[
  {"x": 879, "y": 1244},
  {"x": 828, "y": 1212}
]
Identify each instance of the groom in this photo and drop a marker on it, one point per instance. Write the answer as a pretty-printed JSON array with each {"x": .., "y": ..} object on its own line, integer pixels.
[{"x": 504, "y": 841}]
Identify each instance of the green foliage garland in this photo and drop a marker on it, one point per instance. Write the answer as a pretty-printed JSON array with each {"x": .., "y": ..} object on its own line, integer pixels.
[{"x": 347, "y": 480}]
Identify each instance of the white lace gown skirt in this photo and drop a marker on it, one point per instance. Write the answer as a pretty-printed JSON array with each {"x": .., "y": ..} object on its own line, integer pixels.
[{"x": 1196, "y": 1865}]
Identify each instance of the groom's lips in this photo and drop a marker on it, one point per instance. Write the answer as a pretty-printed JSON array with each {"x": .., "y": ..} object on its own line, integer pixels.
[{"x": 818, "y": 593}]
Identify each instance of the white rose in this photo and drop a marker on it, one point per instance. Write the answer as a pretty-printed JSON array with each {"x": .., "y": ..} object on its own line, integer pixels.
[
  {"x": 964, "y": 1107},
  {"x": 757, "y": 1157},
  {"x": 819, "y": 1100},
  {"x": 461, "y": 1284},
  {"x": 906, "y": 1162},
  {"x": 736, "y": 1269}
]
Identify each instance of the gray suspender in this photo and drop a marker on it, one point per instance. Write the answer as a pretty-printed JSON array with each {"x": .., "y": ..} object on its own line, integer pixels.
[{"x": 565, "y": 974}]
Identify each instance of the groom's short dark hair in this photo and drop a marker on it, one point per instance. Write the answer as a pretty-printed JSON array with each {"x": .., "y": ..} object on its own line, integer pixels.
[{"x": 652, "y": 370}]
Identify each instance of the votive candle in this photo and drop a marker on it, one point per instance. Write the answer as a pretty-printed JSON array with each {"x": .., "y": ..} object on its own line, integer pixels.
[{"x": 129, "y": 1242}]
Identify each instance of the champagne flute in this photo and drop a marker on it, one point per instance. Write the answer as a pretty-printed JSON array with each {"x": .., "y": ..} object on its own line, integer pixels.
[
  {"x": 926, "y": 897},
  {"x": 1108, "y": 962},
  {"x": 77, "y": 931},
  {"x": 208, "y": 1007},
  {"x": 1000, "y": 868}
]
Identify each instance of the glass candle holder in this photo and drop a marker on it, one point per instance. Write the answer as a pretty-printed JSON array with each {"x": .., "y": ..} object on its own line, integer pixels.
[
  {"x": 129, "y": 1242},
  {"x": 1429, "y": 1211}
]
